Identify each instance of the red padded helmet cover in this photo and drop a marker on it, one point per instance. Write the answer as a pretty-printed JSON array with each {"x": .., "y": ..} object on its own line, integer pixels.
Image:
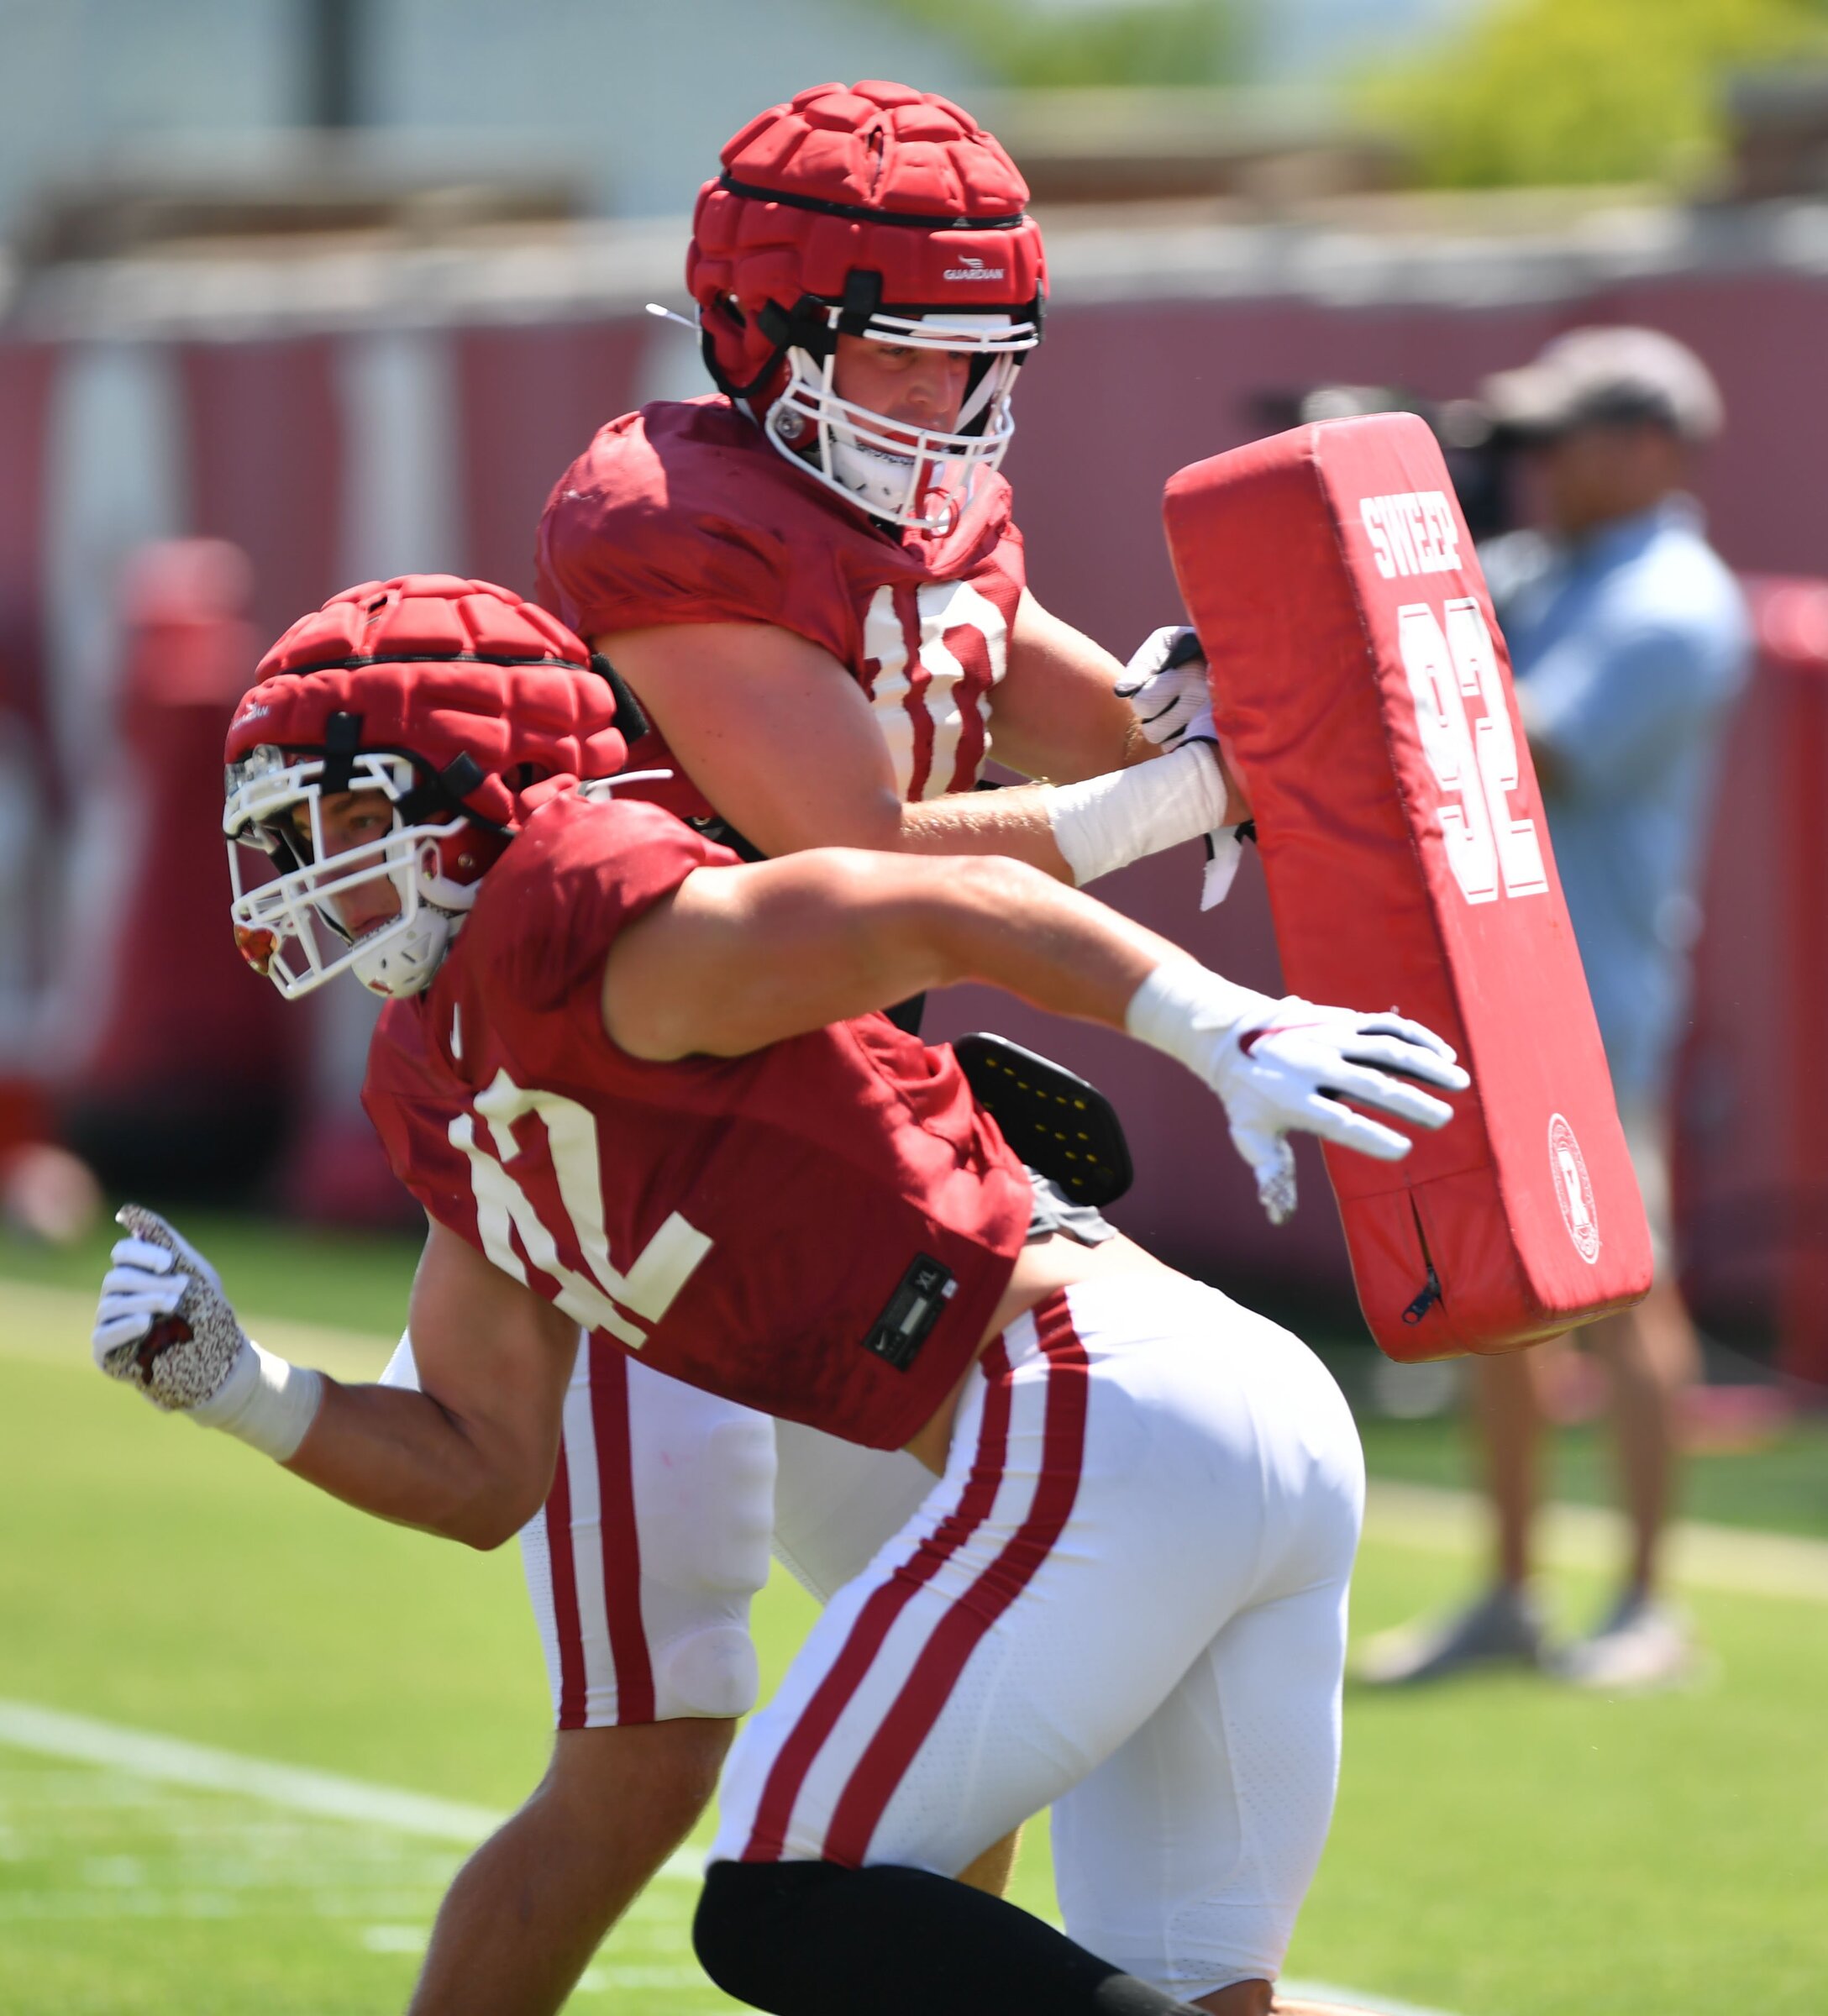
[
  {"x": 943, "y": 218},
  {"x": 439, "y": 667}
]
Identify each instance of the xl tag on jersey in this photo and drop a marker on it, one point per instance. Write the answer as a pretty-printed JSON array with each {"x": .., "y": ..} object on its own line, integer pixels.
[{"x": 898, "y": 1333}]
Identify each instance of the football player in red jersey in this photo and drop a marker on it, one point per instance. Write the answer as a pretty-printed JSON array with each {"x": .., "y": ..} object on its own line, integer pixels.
[
  {"x": 639, "y": 1088},
  {"x": 811, "y": 579}
]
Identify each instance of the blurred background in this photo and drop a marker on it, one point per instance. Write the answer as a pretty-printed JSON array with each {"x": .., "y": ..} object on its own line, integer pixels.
[{"x": 296, "y": 293}]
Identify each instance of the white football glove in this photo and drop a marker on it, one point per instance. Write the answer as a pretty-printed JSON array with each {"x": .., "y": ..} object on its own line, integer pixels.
[
  {"x": 1166, "y": 685},
  {"x": 164, "y": 1326},
  {"x": 1286, "y": 1067}
]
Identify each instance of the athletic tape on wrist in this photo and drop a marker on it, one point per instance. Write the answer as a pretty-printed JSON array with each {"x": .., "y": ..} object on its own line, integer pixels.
[
  {"x": 1106, "y": 822},
  {"x": 264, "y": 1402},
  {"x": 1189, "y": 1013}
]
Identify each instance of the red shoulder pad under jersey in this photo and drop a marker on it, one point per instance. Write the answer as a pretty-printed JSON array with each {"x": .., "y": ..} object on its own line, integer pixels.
[
  {"x": 682, "y": 513},
  {"x": 821, "y": 1230},
  {"x": 1360, "y": 680}
]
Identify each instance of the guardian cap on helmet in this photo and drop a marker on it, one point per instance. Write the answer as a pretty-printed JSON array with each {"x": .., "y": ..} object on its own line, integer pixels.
[
  {"x": 463, "y": 705},
  {"x": 874, "y": 210}
]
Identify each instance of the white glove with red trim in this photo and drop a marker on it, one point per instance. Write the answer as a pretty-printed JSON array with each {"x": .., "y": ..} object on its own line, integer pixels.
[{"x": 1287, "y": 1067}]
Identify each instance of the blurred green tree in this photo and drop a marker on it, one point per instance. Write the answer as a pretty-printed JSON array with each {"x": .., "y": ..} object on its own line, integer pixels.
[
  {"x": 1545, "y": 91},
  {"x": 1026, "y": 44}
]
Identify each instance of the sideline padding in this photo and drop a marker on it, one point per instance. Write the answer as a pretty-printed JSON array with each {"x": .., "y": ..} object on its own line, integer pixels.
[{"x": 1364, "y": 690}]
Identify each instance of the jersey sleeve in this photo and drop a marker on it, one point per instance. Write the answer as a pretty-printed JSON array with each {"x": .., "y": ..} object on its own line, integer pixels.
[
  {"x": 637, "y": 534},
  {"x": 580, "y": 875}
]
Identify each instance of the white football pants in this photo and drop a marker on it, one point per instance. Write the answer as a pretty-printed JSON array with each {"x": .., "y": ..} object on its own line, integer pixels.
[
  {"x": 641, "y": 1565},
  {"x": 1126, "y": 1599}
]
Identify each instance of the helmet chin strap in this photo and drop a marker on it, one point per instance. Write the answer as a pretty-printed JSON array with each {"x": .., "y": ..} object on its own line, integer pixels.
[
  {"x": 404, "y": 962},
  {"x": 407, "y": 953},
  {"x": 877, "y": 478},
  {"x": 858, "y": 453}
]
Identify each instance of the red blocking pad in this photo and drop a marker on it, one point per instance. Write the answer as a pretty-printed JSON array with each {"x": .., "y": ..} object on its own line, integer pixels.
[{"x": 1363, "y": 687}]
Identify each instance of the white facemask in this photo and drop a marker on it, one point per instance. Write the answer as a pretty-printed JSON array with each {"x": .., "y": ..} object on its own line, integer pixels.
[
  {"x": 922, "y": 477},
  {"x": 282, "y": 926}
]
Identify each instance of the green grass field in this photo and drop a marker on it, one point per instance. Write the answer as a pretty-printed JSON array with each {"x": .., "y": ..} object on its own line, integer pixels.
[{"x": 1502, "y": 1849}]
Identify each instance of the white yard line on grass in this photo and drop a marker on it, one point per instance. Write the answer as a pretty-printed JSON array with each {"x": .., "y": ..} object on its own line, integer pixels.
[
  {"x": 50, "y": 1732},
  {"x": 82, "y": 1738},
  {"x": 1330, "y": 1991}
]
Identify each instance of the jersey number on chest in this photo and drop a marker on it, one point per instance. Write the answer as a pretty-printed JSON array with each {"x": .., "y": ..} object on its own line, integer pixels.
[
  {"x": 623, "y": 1305},
  {"x": 932, "y": 653}
]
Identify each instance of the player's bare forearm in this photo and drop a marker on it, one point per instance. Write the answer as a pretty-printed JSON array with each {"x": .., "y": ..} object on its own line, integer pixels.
[
  {"x": 741, "y": 958},
  {"x": 1055, "y": 714},
  {"x": 470, "y": 1457},
  {"x": 1048, "y": 943},
  {"x": 779, "y": 738},
  {"x": 1024, "y": 822},
  {"x": 1013, "y": 822},
  {"x": 402, "y": 1457}
]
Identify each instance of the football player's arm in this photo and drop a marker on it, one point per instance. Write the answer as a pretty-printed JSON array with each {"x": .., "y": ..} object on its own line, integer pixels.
[
  {"x": 1056, "y": 712},
  {"x": 771, "y": 729},
  {"x": 777, "y": 735},
  {"x": 470, "y": 1455},
  {"x": 468, "y": 1458},
  {"x": 740, "y": 958}
]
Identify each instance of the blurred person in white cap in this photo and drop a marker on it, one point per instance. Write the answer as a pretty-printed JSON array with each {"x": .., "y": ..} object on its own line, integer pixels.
[{"x": 1629, "y": 641}]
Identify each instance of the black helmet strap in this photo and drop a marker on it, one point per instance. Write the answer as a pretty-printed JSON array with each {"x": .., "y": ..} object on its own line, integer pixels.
[{"x": 342, "y": 743}]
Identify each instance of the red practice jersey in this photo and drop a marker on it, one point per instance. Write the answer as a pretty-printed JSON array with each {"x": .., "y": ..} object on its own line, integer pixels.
[
  {"x": 821, "y": 1230},
  {"x": 682, "y": 513}
]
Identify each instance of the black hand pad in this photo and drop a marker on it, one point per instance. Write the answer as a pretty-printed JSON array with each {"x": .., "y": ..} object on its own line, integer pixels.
[{"x": 1057, "y": 1123}]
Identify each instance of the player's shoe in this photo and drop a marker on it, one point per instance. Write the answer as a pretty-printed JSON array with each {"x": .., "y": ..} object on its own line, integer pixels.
[
  {"x": 1643, "y": 1643},
  {"x": 1503, "y": 1628}
]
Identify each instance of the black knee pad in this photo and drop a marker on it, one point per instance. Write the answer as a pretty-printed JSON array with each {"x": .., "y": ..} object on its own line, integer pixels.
[
  {"x": 748, "y": 1929},
  {"x": 810, "y": 1939}
]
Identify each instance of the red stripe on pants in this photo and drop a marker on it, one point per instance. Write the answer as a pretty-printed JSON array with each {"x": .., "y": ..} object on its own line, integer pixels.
[
  {"x": 959, "y": 1633},
  {"x": 773, "y": 1812},
  {"x": 566, "y": 1626},
  {"x": 621, "y": 1550}
]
